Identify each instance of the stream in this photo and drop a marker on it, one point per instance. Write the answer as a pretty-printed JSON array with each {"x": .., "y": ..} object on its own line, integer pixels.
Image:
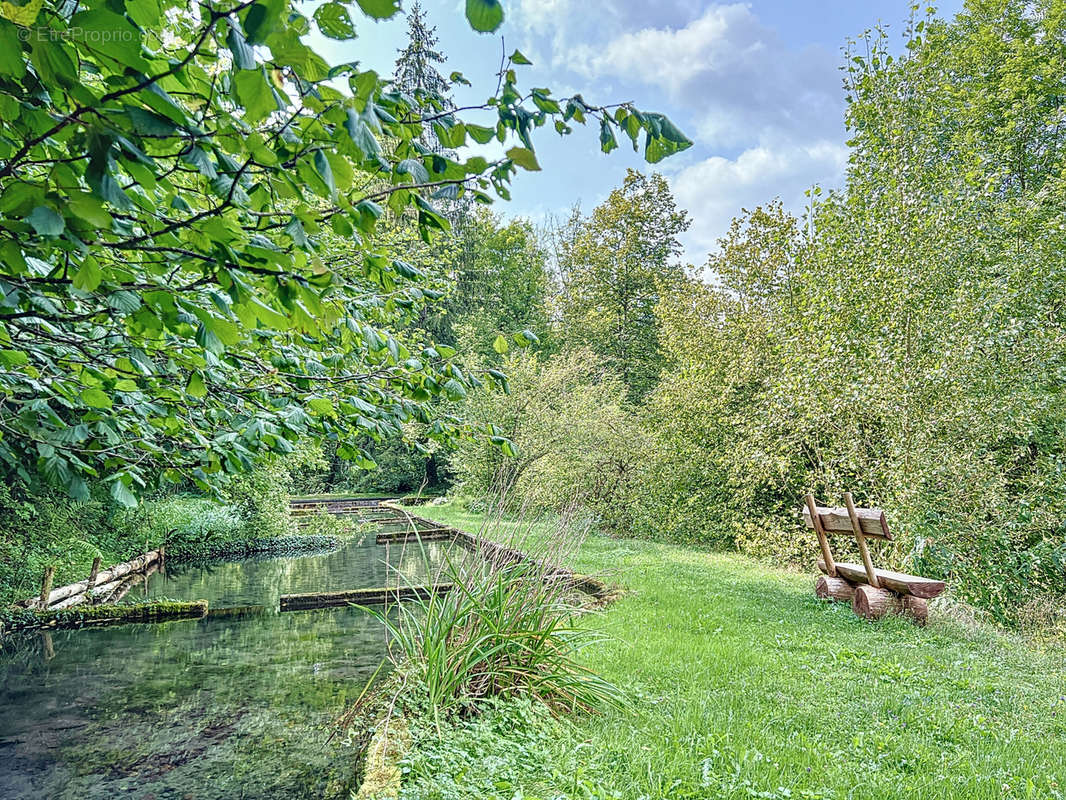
[{"x": 238, "y": 704}]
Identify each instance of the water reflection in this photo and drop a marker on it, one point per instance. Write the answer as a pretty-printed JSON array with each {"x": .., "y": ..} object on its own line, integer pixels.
[
  {"x": 360, "y": 563},
  {"x": 229, "y": 706}
]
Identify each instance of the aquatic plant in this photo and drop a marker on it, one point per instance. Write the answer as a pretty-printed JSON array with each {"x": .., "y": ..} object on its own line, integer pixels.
[{"x": 511, "y": 624}]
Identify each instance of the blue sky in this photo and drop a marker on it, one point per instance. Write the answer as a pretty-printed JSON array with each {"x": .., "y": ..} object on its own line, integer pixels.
[{"x": 755, "y": 85}]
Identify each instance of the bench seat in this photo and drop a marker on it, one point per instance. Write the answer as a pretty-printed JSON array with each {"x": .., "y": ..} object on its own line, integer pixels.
[{"x": 914, "y": 585}]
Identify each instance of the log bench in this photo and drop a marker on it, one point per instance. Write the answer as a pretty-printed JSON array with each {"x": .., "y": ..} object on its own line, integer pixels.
[{"x": 872, "y": 592}]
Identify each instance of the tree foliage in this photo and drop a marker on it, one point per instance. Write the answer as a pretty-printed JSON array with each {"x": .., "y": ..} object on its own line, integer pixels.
[
  {"x": 614, "y": 267},
  {"x": 188, "y": 203},
  {"x": 906, "y": 341}
]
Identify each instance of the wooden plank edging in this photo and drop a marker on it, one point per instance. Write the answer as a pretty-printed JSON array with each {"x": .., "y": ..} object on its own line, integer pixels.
[{"x": 85, "y": 616}]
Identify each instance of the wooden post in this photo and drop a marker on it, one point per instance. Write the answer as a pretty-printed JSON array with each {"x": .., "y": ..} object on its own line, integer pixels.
[
  {"x": 861, "y": 539},
  {"x": 48, "y": 649},
  {"x": 89, "y": 584},
  {"x": 823, "y": 540},
  {"x": 46, "y": 587}
]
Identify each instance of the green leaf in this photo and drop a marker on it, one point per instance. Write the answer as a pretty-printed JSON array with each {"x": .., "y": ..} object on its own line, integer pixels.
[
  {"x": 608, "y": 142},
  {"x": 524, "y": 158},
  {"x": 46, "y": 222},
  {"x": 415, "y": 168},
  {"x": 11, "y": 60},
  {"x": 334, "y": 22},
  {"x": 149, "y": 124},
  {"x": 78, "y": 489},
  {"x": 13, "y": 358},
  {"x": 518, "y": 58},
  {"x": 253, "y": 92},
  {"x": 110, "y": 36},
  {"x": 122, "y": 494},
  {"x": 454, "y": 389},
  {"x": 88, "y": 276},
  {"x": 24, "y": 14},
  {"x": 196, "y": 387},
  {"x": 484, "y": 16},
  {"x": 95, "y": 398},
  {"x": 323, "y": 168},
  {"x": 379, "y": 9},
  {"x": 500, "y": 345},
  {"x": 89, "y": 208},
  {"x": 124, "y": 300},
  {"x": 361, "y": 135},
  {"x": 262, "y": 19},
  {"x": 243, "y": 54}
]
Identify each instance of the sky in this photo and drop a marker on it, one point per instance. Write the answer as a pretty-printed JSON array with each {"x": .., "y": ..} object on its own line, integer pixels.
[{"x": 755, "y": 85}]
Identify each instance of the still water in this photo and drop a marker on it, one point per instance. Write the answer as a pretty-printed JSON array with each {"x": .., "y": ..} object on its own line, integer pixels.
[{"x": 235, "y": 705}]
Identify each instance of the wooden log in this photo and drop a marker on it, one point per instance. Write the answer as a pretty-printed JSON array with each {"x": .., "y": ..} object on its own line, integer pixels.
[
  {"x": 871, "y": 520},
  {"x": 899, "y": 582},
  {"x": 46, "y": 587},
  {"x": 31, "y": 619},
  {"x": 93, "y": 572},
  {"x": 102, "y": 577},
  {"x": 872, "y": 603},
  {"x": 388, "y": 594},
  {"x": 828, "y": 587},
  {"x": 823, "y": 539}
]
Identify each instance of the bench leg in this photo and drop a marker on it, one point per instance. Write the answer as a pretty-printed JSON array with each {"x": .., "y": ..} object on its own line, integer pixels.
[
  {"x": 869, "y": 602},
  {"x": 829, "y": 588}
]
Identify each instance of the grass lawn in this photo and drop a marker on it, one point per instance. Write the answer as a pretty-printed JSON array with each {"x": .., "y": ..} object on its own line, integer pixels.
[{"x": 747, "y": 686}]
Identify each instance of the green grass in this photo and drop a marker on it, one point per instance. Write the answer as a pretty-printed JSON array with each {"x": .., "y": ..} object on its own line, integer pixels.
[{"x": 747, "y": 686}]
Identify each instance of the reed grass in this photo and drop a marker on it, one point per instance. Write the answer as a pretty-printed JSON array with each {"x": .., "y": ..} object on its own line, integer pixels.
[{"x": 508, "y": 627}]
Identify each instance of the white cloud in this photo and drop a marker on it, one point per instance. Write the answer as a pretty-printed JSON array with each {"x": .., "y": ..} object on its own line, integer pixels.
[
  {"x": 715, "y": 190},
  {"x": 732, "y": 74},
  {"x": 769, "y": 115}
]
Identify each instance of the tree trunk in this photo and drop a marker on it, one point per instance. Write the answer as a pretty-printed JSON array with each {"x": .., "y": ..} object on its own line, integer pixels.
[
  {"x": 829, "y": 588},
  {"x": 871, "y": 603}
]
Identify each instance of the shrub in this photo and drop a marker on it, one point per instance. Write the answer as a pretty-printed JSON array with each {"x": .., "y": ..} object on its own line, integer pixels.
[{"x": 576, "y": 439}]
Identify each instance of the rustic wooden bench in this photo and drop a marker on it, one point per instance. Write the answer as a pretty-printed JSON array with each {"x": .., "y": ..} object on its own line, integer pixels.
[{"x": 872, "y": 592}]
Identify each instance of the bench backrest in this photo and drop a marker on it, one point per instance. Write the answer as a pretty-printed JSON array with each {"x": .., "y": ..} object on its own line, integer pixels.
[
  {"x": 859, "y": 522},
  {"x": 836, "y": 519}
]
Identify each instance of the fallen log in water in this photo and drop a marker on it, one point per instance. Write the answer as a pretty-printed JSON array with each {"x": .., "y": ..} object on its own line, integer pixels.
[
  {"x": 101, "y": 578},
  {"x": 85, "y": 615},
  {"x": 425, "y": 535},
  {"x": 362, "y": 597}
]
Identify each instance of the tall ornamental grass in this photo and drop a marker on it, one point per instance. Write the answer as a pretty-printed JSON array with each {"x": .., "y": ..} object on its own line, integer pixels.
[{"x": 511, "y": 624}]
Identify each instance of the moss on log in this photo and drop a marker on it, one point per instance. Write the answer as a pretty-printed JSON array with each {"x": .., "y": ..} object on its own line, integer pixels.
[
  {"x": 365, "y": 597},
  {"x": 79, "y": 616},
  {"x": 425, "y": 535}
]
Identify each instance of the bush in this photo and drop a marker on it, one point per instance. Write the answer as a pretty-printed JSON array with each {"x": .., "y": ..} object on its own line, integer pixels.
[
  {"x": 44, "y": 529},
  {"x": 576, "y": 439}
]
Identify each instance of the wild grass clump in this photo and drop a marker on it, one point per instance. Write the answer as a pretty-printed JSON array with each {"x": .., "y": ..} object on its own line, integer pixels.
[{"x": 509, "y": 625}]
